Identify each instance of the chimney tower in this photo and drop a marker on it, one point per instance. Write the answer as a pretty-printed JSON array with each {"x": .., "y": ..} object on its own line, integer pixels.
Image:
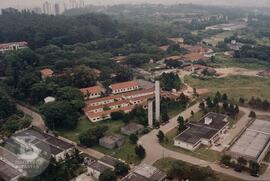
[
  {"x": 150, "y": 113},
  {"x": 157, "y": 99}
]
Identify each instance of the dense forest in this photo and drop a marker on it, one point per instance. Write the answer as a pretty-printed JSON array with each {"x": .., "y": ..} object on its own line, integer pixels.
[{"x": 40, "y": 30}]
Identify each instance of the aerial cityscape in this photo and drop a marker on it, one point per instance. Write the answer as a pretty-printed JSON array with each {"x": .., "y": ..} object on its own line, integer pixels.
[{"x": 127, "y": 90}]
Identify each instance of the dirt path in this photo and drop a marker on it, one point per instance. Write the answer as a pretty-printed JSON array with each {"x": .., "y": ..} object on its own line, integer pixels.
[{"x": 225, "y": 72}]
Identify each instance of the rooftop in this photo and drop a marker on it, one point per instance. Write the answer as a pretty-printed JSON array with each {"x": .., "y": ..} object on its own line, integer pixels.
[
  {"x": 112, "y": 138},
  {"x": 253, "y": 141},
  {"x": 7, "y": 172},
  {"x": 132, "y": 126},
  {"x": 98, "y": 166},
  {"x": 46, "y": 72},
  {"x": 109, "y": 160},
  {"x": 93, "y": 90},
  {"x": 124, "y": 85},
  {"x": 149, "y": 172},
  {"x": 205, "y": 128}
]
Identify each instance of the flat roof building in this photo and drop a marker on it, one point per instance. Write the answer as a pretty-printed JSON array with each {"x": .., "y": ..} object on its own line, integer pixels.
[
  {"x": 112, "y": 141},
  {"x": 206, "y": 131},
  {"x": 8, "y": 173},
  {"x": 132, "y": 128},
  {"x": 253, "y": 143},
  {"x": 145, "y": 172}
]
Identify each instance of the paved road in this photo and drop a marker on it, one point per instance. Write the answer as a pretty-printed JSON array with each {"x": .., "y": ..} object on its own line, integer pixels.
[
  {"x": 154, "y": 151},
  {"x": 38, "y": 122}
]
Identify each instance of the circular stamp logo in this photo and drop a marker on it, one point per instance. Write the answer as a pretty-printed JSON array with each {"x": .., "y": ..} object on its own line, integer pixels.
[{"x": 28, "y": 152}]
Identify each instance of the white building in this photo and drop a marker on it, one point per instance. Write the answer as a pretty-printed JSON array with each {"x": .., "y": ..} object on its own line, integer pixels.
[
  {"x": 207, "y": 131},
  {"x": 12, "y": 46}
]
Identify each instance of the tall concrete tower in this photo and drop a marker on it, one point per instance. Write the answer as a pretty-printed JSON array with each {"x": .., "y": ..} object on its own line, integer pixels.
[
  {"x": 157, "y": 99},
  {"x": 150, "y": 113}
]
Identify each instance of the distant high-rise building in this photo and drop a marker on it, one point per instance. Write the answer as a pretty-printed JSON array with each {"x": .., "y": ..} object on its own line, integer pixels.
[
  {"x": 56, "y": 9},
  {"x": 47, "y": 8}
]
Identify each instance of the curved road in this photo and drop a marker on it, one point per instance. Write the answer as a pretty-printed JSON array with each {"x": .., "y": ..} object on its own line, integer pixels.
[
  {"x": 38, "y": 122},
  {"x": 154, "y": 151}
]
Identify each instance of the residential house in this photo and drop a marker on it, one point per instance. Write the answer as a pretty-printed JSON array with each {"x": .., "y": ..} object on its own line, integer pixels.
[
  {"x": 92, "y": 92},
  {"x": 4, "y": 47},
  {"x": 45, "y": 73},
  {"x": 132, "y": 128}
]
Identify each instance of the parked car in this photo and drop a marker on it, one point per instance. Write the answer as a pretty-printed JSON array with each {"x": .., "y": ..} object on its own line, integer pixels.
[
  {"x": 254, "y": 173},
  {"x": 238, "y": 168}
]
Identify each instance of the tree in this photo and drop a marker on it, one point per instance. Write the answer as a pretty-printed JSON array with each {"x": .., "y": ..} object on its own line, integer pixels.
[
  {"x": 7, "y": 107},
  {"x": 160, "y": 136},
  {"x": 169, "y": 81},
  {"x": 60, "y": 114},
  {"x": 121, "y": 169},
  {"x": 181, "y": 124},
  {"x": 107, "y": 175},
  {"x": 140, "y": 151},
  {"x": 202, "y": 106},
  {"x": 118, "y": 115},
  {"x": 241, "y": 100},
  {"x": 226, "y": 160},
  {"x": 133, "y": 138},
  {"x": 165, "y": 117},
  {"x": 83, "y": 76},
  {"x": 254, "y": 166},
  {"x": 209, "y": 102},
  {"x": 91, "y": 137},
  {"x": 252, "y": 114},
  {"x": 224, "y": 97},
  {"x": 124, "y": 74},
  {"x": 242, "y": 161},
  {"x": 192, "y": 113}
]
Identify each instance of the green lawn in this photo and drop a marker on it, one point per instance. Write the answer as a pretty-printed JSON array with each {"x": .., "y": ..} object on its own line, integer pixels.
[
  {"x": 218, "y": 37},
  {"x": 202, "y": 152},
  {"x": 165, "y": 164},
  {"x": 223, "y": 61},
  {"x": 234, "y": 86},
  {"x": 264, "y": 41},
  {"x": 126, "y": 152},
  {"x": 84, "y": 124}
]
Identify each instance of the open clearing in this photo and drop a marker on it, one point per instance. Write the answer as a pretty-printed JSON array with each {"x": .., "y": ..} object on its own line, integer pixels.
[
  {"x": 225, "y": 72},
  {"x": 234, "y": 86},
  {"x": 214, "y": 40}
]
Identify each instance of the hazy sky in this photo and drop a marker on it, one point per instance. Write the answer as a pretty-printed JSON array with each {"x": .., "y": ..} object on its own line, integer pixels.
[{"x": 28, "y": 3}]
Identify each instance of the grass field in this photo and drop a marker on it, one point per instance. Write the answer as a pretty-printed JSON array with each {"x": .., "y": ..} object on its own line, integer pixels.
[
  {"x": 165, "y": 164},
  {"x": 223, "y": 61},
  {"x": 234, "y": 86},
  {"x": 84, "y": 124},
  {"x": 218, "y": 37},
  {"x": 126, "y": 152},
  {"x": 263, "y": 41},
  {"x": 202, "y": 152}
]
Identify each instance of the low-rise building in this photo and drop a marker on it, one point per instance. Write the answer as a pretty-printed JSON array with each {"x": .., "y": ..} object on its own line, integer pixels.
[
  {"x": 206, "y": 131},
  {"x": 4, "y": 47},
  {"x": 112, "y": 141},
  {"x": 8, "y": 173},
  {"x": 49, "y": 99},
  {"x": 96, "y": 168},
  {"x": 254, "y": 143},
  {"x": 124, "y": 87},
  {"x": 145, "y": 172},
  {"x": 132, "y": 128},
  {"x": 45, "y": 73},
  {"x": 92, "y": 92}
]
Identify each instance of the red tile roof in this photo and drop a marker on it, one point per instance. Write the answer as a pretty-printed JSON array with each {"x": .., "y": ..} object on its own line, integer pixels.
[
  {"x": 6, "y": 45},
  {"x": 93, "y": 90},
  {"x": 124, "y": 85},
  {"x": 46, "y": 72},
  {"x": 89, "y": 107},
  {"x": 137, "y": 93},
  {"x": 94, "y": 115},
  {"x": 112, "y": 97}
]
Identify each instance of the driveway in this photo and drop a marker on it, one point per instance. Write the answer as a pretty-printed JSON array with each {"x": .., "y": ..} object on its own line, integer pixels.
[{"x": 154, "y": 151}]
